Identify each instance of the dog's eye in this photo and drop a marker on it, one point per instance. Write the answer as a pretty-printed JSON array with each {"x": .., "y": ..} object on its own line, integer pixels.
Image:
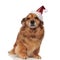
[
  {"x": 36, "y": 18},
  {"x": 28, "y": 18}
]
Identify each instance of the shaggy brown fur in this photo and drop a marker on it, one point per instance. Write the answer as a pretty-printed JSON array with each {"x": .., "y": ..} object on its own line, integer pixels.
[{"x": 29, "y": 39}]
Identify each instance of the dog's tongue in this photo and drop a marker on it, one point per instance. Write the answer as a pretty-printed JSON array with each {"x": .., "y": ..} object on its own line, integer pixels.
[{"x": 33, "y": 28}]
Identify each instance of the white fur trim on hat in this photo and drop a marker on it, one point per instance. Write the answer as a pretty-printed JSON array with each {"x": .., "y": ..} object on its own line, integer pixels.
[{"x": 39, "y": 15}]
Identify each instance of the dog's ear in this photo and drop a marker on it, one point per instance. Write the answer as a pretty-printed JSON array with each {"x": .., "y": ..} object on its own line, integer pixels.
[
  {"x": 41, "y": 24},
  {"x": 23, "y": 21}
]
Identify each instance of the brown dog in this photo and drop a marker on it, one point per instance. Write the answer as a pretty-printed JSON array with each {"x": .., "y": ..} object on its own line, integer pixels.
[{"x": 29, "y": 37}]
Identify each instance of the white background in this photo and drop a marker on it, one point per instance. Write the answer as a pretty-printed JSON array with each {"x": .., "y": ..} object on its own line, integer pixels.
[{"x": 11, "y": 14}]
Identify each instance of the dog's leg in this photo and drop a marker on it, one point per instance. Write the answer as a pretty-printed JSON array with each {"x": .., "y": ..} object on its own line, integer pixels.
[
  {"x": 20, "y": 50},
  {"x": 35, "y": 54}
]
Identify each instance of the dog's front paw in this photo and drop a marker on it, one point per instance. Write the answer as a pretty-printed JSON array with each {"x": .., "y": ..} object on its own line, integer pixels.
[
  {"x": 37, "y": 56},
  {"x": 23, "y": 56}
]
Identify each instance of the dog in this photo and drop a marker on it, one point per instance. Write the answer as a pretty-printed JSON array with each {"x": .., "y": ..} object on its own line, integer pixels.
[{"x": 29, "y": 38}]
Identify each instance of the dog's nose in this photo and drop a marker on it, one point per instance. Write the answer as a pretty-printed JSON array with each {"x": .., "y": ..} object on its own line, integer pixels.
[{"x": 32, "y": 22}]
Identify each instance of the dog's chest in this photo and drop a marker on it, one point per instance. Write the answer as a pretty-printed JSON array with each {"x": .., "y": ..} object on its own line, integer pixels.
[
  {"x": 31, "y": 38},
  {"x": 31, "y": 33}
]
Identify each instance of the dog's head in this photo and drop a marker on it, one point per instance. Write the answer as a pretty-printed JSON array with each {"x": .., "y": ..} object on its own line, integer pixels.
[{"x": 32, "y": 21}]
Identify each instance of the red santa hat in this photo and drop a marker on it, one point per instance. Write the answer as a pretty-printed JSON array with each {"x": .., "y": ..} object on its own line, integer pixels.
[{"x": 39, "y": 12}]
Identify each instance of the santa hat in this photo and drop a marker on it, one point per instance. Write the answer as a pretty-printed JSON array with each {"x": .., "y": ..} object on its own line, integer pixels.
[{"x": 39, "y": 12}]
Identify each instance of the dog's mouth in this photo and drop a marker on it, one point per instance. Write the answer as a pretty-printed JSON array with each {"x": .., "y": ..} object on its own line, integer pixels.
[{"x": 32, "y": 24}]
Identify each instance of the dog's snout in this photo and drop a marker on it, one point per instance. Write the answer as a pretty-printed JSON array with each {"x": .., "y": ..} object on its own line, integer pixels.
[{"x": 32, "y": 22}]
